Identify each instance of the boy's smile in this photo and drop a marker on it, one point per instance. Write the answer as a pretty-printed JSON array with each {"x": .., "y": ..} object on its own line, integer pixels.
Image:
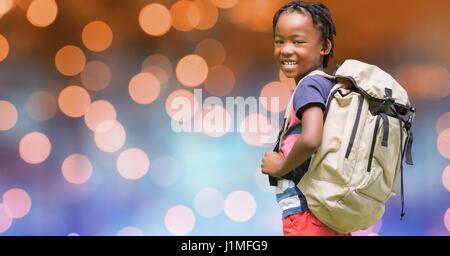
[{"x": 298, "y": 45}]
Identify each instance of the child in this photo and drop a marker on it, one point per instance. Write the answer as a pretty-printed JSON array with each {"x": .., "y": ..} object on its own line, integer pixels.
[{"x": 304, "y": 39}]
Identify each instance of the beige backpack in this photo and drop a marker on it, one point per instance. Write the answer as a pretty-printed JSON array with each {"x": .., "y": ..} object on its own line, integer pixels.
[{"x": 367, "y": 131}]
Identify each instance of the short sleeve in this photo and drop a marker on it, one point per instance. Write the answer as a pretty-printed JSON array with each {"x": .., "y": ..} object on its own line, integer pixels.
[{"x": 312, "y": 91}]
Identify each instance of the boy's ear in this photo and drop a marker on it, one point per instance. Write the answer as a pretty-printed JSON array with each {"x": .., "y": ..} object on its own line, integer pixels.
[{"x": 326, "y": 48}]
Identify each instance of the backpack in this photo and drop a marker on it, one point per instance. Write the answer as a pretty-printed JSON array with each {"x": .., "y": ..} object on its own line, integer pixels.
[{"x": 367, "y": 131}]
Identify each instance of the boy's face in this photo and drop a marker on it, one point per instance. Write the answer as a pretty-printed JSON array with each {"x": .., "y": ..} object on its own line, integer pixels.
[{"x": 298, "y": 45}]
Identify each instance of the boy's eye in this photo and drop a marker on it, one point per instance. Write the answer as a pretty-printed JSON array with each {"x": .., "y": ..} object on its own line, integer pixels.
[
  {"x": 298, "y": 42},
  {"x": 278, "y": 42}
]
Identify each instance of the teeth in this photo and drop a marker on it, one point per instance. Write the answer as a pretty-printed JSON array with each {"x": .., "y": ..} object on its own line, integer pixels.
[{"x": 288, "y": 62}]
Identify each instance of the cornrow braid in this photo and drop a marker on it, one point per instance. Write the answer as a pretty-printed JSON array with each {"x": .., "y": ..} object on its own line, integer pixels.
[{"x": 321, "y": 17}]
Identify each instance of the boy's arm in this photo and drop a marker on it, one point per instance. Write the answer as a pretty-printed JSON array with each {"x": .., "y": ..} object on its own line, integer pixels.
[{"x": 273, "y": 163}]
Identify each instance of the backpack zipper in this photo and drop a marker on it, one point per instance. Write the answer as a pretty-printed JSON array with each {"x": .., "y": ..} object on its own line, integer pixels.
[
  {"x": 374, "y": 141},
  {"x": 355, "y": 126}
]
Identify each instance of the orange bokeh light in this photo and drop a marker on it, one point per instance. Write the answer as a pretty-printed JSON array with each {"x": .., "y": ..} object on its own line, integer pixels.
[
  {"x": 42, "y": 13},
  {"x": 185, "y": 15},
  {"x": 34, "y": 148},
  {"x": 275, "y": 90},
  {"x": 97, "y": 36},
  {"x": 77, "y": 169},
  {"x": 110, "y": 136},
  {"x": 8, "y": 115},
  {"x": 74, "y": 101},
  {"x": 225, "y": 4},
  {"x": 208, "y": 14},
  {"x": 192, "y": 70},
  {"x": 220, "y": 81},
  {"x": 154, "y": 62},
  {"x": 5, "y": 6},
  {"x": 95, "y": 75},
  {"x": 133, "y": 163},
  {"x": 443, "y": 122},
  {"x": 144, "y": 88},
  {"x": 41, "y": 105},
  {"x": 18, "y": 202},
  {"x": 98, "y": 112},
  {"x": 443, "y": 143},
  {"x": 212, "y": 51},
  {"x": 155, "y": 19},
  {"x": 4, "y": 48},
  {"x": 70, "y": 60}
]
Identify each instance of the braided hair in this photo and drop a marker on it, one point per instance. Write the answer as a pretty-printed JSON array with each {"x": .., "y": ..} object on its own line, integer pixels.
[{"x": 321, "y": 17}]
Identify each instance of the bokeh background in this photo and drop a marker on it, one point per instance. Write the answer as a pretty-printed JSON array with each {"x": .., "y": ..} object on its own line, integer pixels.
[{"x": 86, "y": 144}]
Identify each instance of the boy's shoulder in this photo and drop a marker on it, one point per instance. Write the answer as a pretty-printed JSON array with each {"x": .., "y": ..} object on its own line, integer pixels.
[{"x": 315, "y": 80}]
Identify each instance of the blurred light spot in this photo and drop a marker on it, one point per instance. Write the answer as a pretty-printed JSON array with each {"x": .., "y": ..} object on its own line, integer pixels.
[
  {"x": 73, "y": 234},
  {"x": 240, "y": 206},
  {"x": 443, "y": 143},
  {"x": 98, "y": 112},
  {"x": 289, "y": 82},
  {"x": 447, "y": 219},
  {"x": 446, "y": 178},
  {"x": 34, "y": 148},
  {"x": 77, "y": 169},
  {"x": 41, "y": 105},
  {"x": 109, "y": 136},
  {"x": 5, "y": 7},
  {"x": 155, "y": 19},
  {"x": 158, "y": 60},
  {"x": 158, "y": 72},
  {"x": 74, "y": 101},
  {"x": 179, "y": 220},
  {"x": 262, "y": 181},
  {"x": 208, "y": 202},
  {"x": 443, "y": 122},
  {"x": 130, "y": 231},
  {"x": 225, "y": 4},
  {"x": 374, "y": 229},
  {"x": 18, "y": 202},
  {"x": 220, "y": 81},
  {"x": 256, "y": 130},
  {"x": 241, "y": 12},
  {"x": 95, "y": 76},
  {"x": 175, "y": 111},
  {"x": 275, "y": 90},
  {"x": 4, "y": 48},
  {"x": 70, "y": 60},
  {"x": 133, "y": 163},
  {"x": 192, "y": 70},
  {"x": 185, "y": 15},
  {"x": 424, "y": 81},
  {"x": 42, "y": 13},
  {"x": 216, "y": 121},
  {"x": 5, "y": 218},
  {"x": 208, "y": 14},
  {"x": 212, "y": 51},
  {"x": 144, "y": 88},
  {"x": 165, "y": 170},
  {"x": 8, "y": 115},
  {"x": 97, "y": 36}
]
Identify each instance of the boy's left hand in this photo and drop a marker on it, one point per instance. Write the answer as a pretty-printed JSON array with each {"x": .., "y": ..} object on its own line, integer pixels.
[{"x": 272, "y": 163}]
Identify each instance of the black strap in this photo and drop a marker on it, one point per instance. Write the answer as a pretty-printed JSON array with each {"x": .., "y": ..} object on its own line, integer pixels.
[{"x": 384, "y": 142}]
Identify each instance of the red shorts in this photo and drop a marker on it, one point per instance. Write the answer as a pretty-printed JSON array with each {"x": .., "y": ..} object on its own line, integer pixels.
[{"x": 306, "y": 224}]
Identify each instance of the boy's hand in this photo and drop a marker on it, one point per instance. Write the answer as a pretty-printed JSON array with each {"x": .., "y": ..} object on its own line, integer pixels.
[{"x": 272, "y": 163}]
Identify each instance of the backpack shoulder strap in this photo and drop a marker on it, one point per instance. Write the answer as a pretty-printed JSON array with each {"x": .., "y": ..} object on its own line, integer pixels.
[{"x": 289, "y": 105}]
